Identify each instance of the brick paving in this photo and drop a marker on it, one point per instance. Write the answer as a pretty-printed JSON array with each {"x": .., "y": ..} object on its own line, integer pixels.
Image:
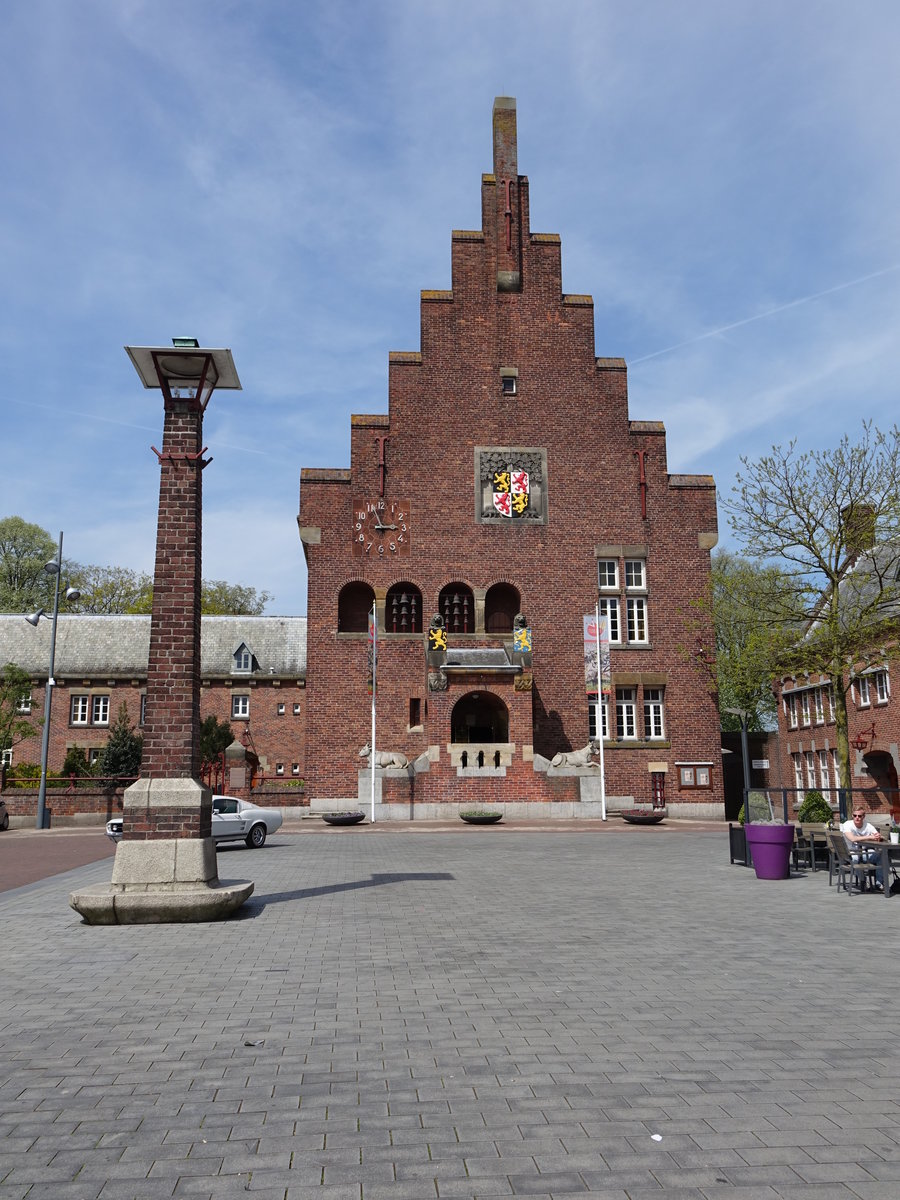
[{"x": 459, "y": 1013}]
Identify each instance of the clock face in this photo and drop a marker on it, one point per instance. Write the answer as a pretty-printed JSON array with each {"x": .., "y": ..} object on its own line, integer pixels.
[{"x": 381, "y": 528}]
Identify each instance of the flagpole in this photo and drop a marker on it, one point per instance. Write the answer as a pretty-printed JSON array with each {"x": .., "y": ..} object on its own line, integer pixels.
[
  {"x": 374, "y": 667},
  {"x": 600, "y": 703}
]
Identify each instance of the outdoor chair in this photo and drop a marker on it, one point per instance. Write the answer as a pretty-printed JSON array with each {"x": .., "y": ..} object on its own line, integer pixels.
[
  {"x": 803, "y": 849},
  {"x": 850, "y": 874}
]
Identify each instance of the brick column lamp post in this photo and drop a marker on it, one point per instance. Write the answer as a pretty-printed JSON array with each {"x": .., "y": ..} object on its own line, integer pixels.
[{"x": 165, "y": 865}]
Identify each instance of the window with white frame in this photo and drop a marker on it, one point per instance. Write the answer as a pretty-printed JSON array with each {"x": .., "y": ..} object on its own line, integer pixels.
[
  {"x": 296, "y": 710},
  {"x": 862, "y": 691},
  {"x": 635, "y": 575},
  {"x": 100, "y": 710},
  {"x": 592, "y": 720},
  {"x": 819, "y": 703},
  {"x": 243, "y": 660},
  {"x": 80, "y": 709},
  {"x": 810, "y": 768},
  {"x": 829, "y": 691},
  {"x": 790, "y": 709},
  {"x": 804, "y": 708},
  {"x": 626, "y": 712},
  {"x": 6, "y": 757},
  {"x": 637, "y": 619},
  {"x": 23, "y": 705},
  {"x": 279, "y": 709},
  {"x": 609, "y": 608},
  {"x": 654, "y": 725},
  {"x": 240, "y": 707},
  {"x": 142, "y": 719},
  {"x": 279, "y": 768},
  {"x": 295, "y": 768},
  {"x": 882, "y": 692},
  {"x": 824, "y": 781},
  {"x": 608, "y": 574},
  {"x": 835, "y": 767},
  {"x": 798, "y": 771}
]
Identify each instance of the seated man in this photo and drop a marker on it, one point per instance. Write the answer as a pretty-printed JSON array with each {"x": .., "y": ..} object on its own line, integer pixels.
[{"x": 857, "y": 832}]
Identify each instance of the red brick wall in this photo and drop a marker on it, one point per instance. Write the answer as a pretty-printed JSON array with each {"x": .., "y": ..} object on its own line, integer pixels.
[
  {"x": 445, "y": 401},
  {"x": 173, "y": 673}
]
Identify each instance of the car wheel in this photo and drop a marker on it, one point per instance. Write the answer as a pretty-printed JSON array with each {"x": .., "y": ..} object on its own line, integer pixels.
[{"x": 256, "y": 837}]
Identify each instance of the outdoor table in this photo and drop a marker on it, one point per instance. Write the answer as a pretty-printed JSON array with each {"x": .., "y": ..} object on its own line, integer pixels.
[{"x": 887, "y": 852}]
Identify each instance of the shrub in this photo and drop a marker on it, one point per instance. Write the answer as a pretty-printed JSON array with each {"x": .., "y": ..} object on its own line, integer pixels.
[{"x": 814, "y": 807}]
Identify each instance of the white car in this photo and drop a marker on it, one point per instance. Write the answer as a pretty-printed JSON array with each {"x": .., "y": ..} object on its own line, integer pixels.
[{"x": 233, "y": 820}]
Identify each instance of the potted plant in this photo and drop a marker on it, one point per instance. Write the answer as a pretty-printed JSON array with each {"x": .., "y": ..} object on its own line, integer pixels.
[
  {"x": 769, "y": 844},
  {"x": 343, "y": 818},
  {"x": 481, "y": 816},
  {"x": 894, "y": 831},
  {"x": 643, "y": 816}
]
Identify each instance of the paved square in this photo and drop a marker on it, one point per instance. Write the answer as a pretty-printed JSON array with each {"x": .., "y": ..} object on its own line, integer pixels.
[{"x": 476, "y": 1013}]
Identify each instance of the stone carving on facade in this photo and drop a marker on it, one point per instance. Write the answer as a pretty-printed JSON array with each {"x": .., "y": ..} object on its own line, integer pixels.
[
  {"x": 577, "y": 758},
  {"x": 385, "y": 758},
  {"x": 437, "y": 681}
]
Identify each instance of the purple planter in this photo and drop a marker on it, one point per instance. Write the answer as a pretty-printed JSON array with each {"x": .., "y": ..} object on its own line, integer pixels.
[{"x": 770, "y": 848}]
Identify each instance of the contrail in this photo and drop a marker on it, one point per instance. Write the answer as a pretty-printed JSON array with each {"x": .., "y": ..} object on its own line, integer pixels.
[{"x": 762, "y": 316}]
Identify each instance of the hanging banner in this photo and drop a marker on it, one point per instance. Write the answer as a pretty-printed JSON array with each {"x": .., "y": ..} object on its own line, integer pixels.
[
  {"x": 596, "y": 645},
  {"x": 372, "y": 652}
]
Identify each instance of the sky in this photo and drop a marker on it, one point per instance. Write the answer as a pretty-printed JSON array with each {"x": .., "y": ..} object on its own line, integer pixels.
[{"x": 282, "y": 179}]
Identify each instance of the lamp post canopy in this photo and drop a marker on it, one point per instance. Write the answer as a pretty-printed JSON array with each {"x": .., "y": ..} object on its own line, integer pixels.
[{"x": 184, "y": 370}]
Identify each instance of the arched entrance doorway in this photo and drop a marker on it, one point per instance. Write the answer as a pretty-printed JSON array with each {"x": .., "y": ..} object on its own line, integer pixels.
[
  {"x": 883, "y": 774},
  {"x": 479, "y": 717}
]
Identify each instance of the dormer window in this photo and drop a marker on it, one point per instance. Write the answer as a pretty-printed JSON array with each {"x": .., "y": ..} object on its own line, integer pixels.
[{"x": 243, "y": 660}]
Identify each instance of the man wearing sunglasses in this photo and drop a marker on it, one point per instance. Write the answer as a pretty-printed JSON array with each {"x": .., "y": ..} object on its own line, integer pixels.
[{"x": 858, "y": 831}]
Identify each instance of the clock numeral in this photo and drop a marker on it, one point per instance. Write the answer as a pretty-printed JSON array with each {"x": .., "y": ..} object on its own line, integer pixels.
[{"x": 392, "y": 546}]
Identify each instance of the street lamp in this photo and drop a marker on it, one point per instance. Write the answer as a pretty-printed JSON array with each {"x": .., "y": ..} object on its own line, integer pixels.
[
  {"x": 54, "y": 567},
  {"x": 745, "y": 757}
]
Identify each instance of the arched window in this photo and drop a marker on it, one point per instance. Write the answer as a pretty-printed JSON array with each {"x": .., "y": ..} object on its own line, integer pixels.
[
  {"x": 456, "y": 604},
  {"x": 500, "y": 607},
  {"x": 403, "y": 609},
  {"x": 354, "y": 605}
]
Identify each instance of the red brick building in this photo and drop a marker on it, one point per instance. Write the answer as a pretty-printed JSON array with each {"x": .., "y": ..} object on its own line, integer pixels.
[
  {"x": 252, "y": 673},
  {"x": 808, "y": 747},
  {"x": 507, "y": 478}
]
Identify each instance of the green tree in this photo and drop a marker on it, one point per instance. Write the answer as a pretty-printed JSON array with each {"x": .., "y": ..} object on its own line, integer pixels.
[
  {"x": 15, "y": 724},
  {"x": 830, "y": 522},
  {"x": 110, "y": 590},
  {"x": 24, "y": 551},
  {"x": 121, "y": 757},
  {"x": 215, "y": 737},
  {"x": 748, "y": 640},
  {"x": 217, "y": 599},
  {"x": 77, "y": 763}
]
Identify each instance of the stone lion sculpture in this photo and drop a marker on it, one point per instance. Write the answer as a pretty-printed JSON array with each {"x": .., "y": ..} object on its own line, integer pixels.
[
  {"x": 577, "y": 758},
  {"x": 385, "y": 758}
]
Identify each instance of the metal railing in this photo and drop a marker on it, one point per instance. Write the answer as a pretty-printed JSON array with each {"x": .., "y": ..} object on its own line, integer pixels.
[{"x": 762, "y": 804}]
